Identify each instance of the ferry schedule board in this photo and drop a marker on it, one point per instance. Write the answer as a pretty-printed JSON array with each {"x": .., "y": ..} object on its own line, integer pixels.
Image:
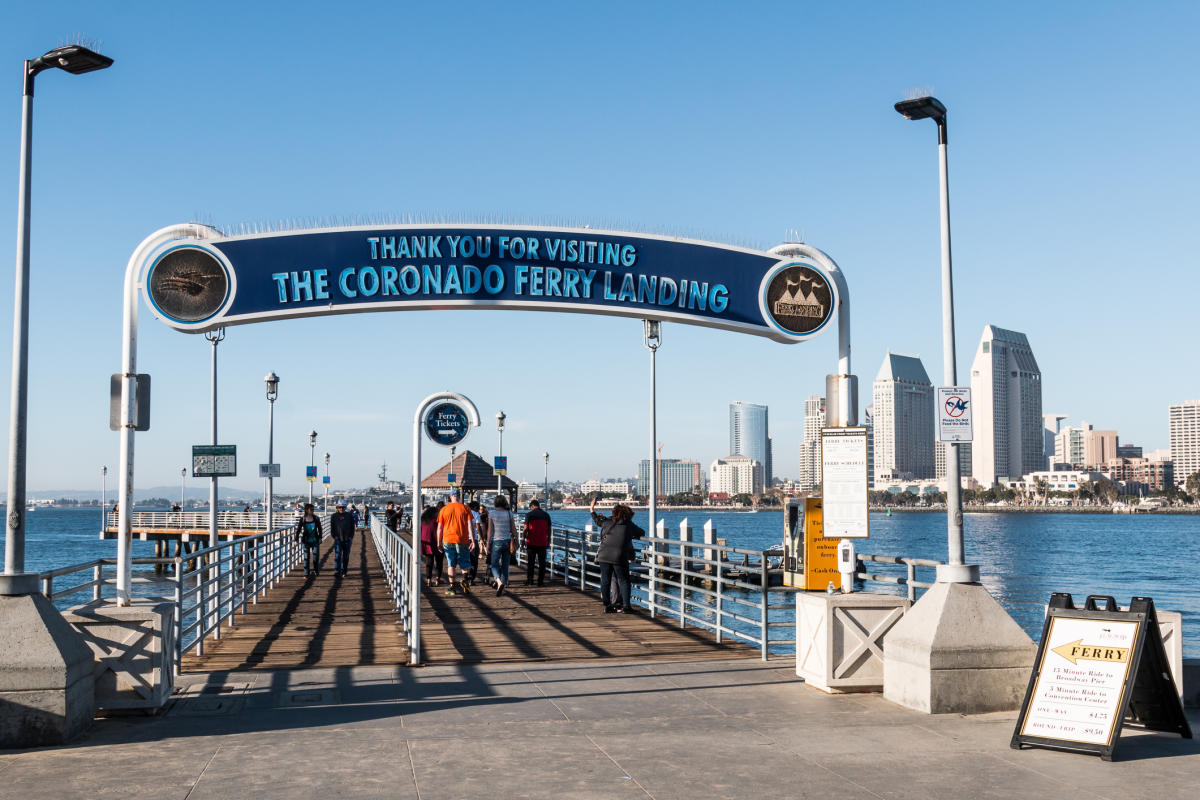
[
  {"x": 844, "y": 487},
  {"x": 1097, "y": 669}
]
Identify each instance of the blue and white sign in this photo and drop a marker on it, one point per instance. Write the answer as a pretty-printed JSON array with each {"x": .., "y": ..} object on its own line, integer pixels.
[
  {"x": 196, "y": 285},
  {"x": 447, "y": 423},
  {"x": 325, "y": 479}
]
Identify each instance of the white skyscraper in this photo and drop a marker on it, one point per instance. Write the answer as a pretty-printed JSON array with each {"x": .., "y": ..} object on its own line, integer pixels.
[
  {"x": 749, "y": 434},
  {"x": 810, "y": 448},
  {"x": 1006, "y": 387},
  {"x": 903, "y": 420},
  {"x": 734, "y": 475},
  {"x": 1185, "y": 440},
  {"x": 869, "y": 422}
]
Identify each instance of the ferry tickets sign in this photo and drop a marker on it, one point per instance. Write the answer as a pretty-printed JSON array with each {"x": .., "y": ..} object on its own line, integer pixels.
[{"x": 196, "y": 285}]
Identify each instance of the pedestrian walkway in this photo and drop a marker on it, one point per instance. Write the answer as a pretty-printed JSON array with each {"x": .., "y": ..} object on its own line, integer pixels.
[
  {"x": 351, "y": 622},
  {"x": 668, "y": 730},
  {"x": 324, "y": 621}
]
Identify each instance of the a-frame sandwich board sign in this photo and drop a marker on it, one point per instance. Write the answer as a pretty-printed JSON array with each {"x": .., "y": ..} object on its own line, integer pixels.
[{"x": 1098, "y": 669}]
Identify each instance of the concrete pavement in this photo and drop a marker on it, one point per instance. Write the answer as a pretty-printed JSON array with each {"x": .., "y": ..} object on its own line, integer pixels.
[{"x": 682, "y": 729}]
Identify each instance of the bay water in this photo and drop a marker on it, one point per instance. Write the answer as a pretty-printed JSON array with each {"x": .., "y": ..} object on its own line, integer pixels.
[{"x": 1022, "y": 557}]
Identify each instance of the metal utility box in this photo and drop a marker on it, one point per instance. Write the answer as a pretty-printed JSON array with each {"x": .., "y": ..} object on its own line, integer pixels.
[{"x": 809, "y": 559}]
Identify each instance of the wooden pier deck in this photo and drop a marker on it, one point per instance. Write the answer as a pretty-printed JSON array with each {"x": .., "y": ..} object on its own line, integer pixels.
[{"x": 331, "y": 622}]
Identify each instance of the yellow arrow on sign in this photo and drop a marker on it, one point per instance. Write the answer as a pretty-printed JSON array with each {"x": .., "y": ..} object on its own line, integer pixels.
[{"x": 1073, "y": 651}]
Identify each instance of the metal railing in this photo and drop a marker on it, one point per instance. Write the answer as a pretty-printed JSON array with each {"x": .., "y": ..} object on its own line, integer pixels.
[
  {"x": 908, "y": 580},
  {"x": 207, "y": 587},
  {"x": 715, "y": 587},
  {"x": 198, "y": 520},
  {"x": 396, "y": 556}
]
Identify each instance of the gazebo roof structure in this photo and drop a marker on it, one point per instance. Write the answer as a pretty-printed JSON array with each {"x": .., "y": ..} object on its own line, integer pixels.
[{"x": 473, "y": 474}]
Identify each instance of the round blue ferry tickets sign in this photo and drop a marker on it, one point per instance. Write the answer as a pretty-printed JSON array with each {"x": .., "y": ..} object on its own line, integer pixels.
[{"x": 447, "y": 424}]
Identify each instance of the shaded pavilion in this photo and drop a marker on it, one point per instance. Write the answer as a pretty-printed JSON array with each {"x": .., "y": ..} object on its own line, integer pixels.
[{"x": 473, "y": 475}]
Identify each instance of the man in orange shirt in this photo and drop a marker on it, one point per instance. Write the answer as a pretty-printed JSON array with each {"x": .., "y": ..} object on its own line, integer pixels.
[{"x": 454, "y": 524}]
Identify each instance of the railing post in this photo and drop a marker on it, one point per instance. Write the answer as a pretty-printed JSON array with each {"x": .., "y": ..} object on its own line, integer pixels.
[
  {"x": 178, "y": 615},
  {"x": 583, "y": 540},
  {"x": 98, "y": 577},
  {"x": 912, "y": 576},
  {"x": 685, "y": 566},
  {"x": 660, "y": 533},
  {"x": 762, "y": 613},
  {"x": 720, "y": 592},
  {"x": 47, "y": 587}
]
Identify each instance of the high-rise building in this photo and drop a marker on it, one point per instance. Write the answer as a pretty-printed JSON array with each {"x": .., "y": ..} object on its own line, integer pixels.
[
  {"x": 1099, "y": 447},
  {"x": 869, "y": 422},
  {"x": 1185, "y": 440},
  {"x": 1129, "y": 451},
  {"x": 1006, "y": 387},
  {"x": 1070, "y": 445},
  {"x": 749, "y": 434},
  {"x": 810, "y": 448},
  {"x": 675, "y": 475},
  {"x": 903, "y": 420},
  {"x": 735, "y": 475},
  {"x": 1053, "y": 423},
  {"x": 939, "y": 459}
]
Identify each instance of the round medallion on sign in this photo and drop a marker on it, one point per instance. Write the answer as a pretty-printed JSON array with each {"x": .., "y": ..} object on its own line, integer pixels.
[
  {"x": 798, "y": 299},
  {"x": 447, "y": 424},
  {"x": 188, "y": 284}
]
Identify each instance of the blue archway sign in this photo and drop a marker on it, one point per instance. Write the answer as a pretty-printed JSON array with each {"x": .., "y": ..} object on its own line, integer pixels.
[
  {"x": 195, "y": 284},
  {"x": 447, "y": 423}
]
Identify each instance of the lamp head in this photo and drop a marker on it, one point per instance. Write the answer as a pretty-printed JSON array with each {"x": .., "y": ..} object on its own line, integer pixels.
[
  {"x": 500, "y": 417},
  {"x": 923, "y": 108},
  {"x": 546, "y": 457},
  {"x": 272, "y": 381},
  {"x": 327, "y": 459},
  {"x": 73, "y": 58},
  {"x": 312, "y": 438}
]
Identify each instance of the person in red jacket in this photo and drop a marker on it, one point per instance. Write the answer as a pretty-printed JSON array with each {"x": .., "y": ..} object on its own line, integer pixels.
[{"x": 537, "y": 541}]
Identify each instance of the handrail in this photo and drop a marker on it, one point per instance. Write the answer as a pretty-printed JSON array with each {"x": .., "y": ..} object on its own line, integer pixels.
[
  {"x": 396, "y": 555},
  {"x": 194, "y": 520},
  {"x": 909, "y": 580}
]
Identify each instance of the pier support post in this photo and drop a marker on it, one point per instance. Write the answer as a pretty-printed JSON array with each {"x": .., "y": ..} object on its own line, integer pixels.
[
  {"x": 47, "y": 688},
  {"x": 957, "y": 651}
]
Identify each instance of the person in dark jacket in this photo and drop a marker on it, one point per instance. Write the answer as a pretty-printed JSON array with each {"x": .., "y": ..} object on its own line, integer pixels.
[
  {"x": 341, "y": 528},
  {"x": 537, "y": 541},
  {"x": 389, "y": 516},
  {"x": 309, "y": 533},
  {"x": 616, "y": 549}
]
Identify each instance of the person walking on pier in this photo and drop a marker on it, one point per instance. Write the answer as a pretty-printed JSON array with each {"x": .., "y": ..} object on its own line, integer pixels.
[
  {"x": 454, "y": 525},
  {"x": 434, "y": 558},
  {"x": 537, "y": 541},
  {"x": 500, "y": 539},
  {"x": 477, "y": 532},
  {"x": 389, "y": 516},
  {"x": 616, "y": 549},
  {"x": 309, "y": 532},
  {"x": 341, "y": 528}
]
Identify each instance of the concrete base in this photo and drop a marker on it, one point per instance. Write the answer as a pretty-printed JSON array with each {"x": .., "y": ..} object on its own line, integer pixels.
[
  {"x": 957, "y": 651},
  {"x": 134, "y": 647},
  {"x": 839, "y": 638},
  {"x": 46, "y": 685}
]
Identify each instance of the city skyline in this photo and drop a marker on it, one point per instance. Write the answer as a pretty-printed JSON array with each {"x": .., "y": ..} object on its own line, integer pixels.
[{"x": 598, "y": 139}]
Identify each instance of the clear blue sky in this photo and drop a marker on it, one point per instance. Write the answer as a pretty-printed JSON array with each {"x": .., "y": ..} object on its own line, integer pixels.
[{"x": 1073, "y": 165}]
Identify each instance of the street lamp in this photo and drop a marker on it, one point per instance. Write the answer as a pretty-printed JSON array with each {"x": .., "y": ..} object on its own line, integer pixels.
[
  {"x": 103, "y": 499},
  {"x": 326, "y": 482},
  {"x": 546, "y": 479},
  {"x": 500, "y": 429},
  {"x": 76, "y": 60},
  {"x": 932, "y": 108},
  {"x": 652, "y": 338},
  {"x": 312, "y": 460},
  {"x": 182, "y": 493},
  {"x": 272, "y": 381}
]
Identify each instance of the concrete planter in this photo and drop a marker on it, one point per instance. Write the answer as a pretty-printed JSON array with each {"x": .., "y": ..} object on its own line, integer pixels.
[
  {"x": 839, "y": 638},
  {"x": 134, "y": 647}
]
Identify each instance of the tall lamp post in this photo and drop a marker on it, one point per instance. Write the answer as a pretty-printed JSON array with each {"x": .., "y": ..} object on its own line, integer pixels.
[
  {"x": 76, "y": 60},
  {"x": 546, "y": 477},
  {"x": 312, "y": 459},
  {"x": 500, "y": 429},
  {"x": 215, "y": 338},
  {"x": 652, "y": 338},
  {"x": 182, "y": 493},
  {"x": 326, "y": 483},
  {"x": 272, "y": 381},
  {"x": 932, "y": 108}
]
